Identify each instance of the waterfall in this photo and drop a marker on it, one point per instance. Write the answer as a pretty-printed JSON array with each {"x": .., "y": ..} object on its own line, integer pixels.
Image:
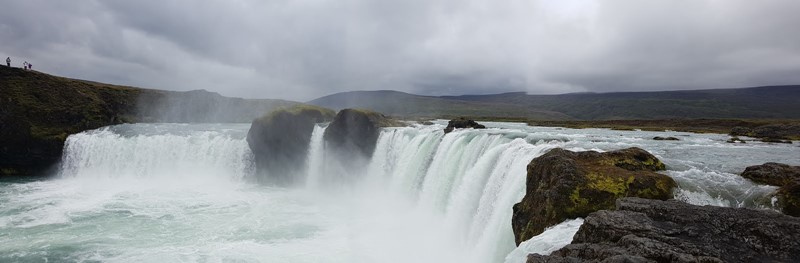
[
  {"x": 143, "y": 151},
  {"x": 472, "y": 177},
  {"x": 180, "y": 192},
  {"x": 316, "y": 155}
]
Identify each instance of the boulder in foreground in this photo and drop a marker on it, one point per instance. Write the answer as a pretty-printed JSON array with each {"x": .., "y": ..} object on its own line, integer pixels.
[
  {"x": 563, "y": 185},
  {"x": 279, "y": 141},
  {"x": 776, "y": 174},
  {"x": 643, "y": 230},
  {"x": 786, "y": 177}
]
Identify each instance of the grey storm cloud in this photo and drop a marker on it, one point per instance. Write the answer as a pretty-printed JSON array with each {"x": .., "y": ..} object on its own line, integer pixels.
[{"x": 303, "y": 49}]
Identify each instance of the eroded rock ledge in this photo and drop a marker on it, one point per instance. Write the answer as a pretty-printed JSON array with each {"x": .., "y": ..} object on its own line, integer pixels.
[
  {"x": 644, "y": 230},
  {"x": 462, "y": 123},
  {"x": 562, "y": 185}
]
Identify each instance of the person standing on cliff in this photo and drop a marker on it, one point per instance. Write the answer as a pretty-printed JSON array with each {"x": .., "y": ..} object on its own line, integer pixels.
[{"x": 8, "y": 61}]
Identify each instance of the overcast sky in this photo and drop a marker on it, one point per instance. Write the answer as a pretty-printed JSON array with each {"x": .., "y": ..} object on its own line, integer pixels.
[{"x": 303, "y": 49}]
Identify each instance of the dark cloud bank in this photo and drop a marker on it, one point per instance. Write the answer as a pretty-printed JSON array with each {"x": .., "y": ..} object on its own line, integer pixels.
[{"x": 303, "y": 49}]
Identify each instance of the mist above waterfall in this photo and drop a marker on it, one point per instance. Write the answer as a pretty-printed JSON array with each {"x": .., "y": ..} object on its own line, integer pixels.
[{"x": 201, "y": 106}]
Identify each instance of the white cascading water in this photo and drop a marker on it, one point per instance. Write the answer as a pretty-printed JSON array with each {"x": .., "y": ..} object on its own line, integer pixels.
[
  {"x": 173, "y": 192},
  {"x": 472, "y": 177},
  {"x": 316, "y": 157},
  {"x": 106, "y": 153}
]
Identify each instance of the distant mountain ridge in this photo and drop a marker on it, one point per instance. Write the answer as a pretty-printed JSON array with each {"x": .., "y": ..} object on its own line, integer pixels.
[{"x": 767, "y": 102}]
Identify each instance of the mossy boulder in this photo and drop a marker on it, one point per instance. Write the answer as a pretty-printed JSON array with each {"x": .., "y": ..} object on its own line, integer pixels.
[
  {"x": 279, "y": 141},
  {"x": 789, "y": 198},
  {"x": 562, "y": 185},
  {"x": 356, "y": 131},
  {"x": 785, "y": 176},
  {"x": 462, "y": 123}
]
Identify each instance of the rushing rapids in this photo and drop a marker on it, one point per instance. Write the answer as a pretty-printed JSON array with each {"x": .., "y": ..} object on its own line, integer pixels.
[{"x": 176, "y": 192}]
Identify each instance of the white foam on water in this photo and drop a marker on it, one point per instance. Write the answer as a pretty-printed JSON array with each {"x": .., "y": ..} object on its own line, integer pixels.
[{"x": 552, "y": 239}]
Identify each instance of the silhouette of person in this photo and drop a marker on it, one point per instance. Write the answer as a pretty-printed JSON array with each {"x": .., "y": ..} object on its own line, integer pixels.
[
  {"x": 25, "y": 65},
  {"x": 8, "y": 61},
  {"x": 30, "y": 66}
]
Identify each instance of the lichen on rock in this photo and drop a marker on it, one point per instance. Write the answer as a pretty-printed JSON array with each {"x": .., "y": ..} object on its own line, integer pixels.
[{"x": 562, "y": 184}]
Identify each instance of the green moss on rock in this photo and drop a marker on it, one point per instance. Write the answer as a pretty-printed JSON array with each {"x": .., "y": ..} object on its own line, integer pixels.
[
  {"x": 38, "y": 111},
  {"x": 562, "y": 185}
]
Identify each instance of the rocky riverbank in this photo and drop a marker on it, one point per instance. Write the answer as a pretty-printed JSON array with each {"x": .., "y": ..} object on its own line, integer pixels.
[{"x": 645, "y": 230}]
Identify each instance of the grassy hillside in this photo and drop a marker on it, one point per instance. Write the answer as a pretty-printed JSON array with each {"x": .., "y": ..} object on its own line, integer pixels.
[
  {"x": 396, "y": 103},
  {"x": 38, "y": 111}
]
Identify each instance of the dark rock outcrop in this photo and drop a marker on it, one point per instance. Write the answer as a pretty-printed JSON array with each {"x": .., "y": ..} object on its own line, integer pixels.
[
  {"x": 462, "y": 123},
  {"x": 772, "y": 132},
  {"x": 776, "y": 174},
  {"x": 786, "y": 177},
  {"x": 776, "y": 140},
  {"x": 735, "y": 139},
  {"x": 643, "y": 230},
  {"x": 279, "y": 141},
  {"x": 350, "y": 141},
  {"x": 355, "y": 131},
  {"x": 562, "y": 185},
  {"x": 789, "y": 198},
  {"x": 659, "y": 138}
]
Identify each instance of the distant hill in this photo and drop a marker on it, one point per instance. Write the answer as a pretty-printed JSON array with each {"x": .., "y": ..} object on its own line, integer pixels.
[
  {"x": 397, "y": 103},
  {"x": 769, "y": 102}
]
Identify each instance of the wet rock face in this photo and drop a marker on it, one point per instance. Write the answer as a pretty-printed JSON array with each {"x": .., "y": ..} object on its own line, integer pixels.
[
  {"x": 659, "y": 138},
  {"x": 563, "y": 184},
  {"x": 789, "y": 198},
  {"x": 279, "y": 142},
  {"x": 351, "y": 138},
  {"x": 462, "y": 123},
  {"x": 776, "y": 174},
  {"x": 354, "y": 131},
  {"x": 645, "y": 230},
  {"x": 785, "y": 176}
]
